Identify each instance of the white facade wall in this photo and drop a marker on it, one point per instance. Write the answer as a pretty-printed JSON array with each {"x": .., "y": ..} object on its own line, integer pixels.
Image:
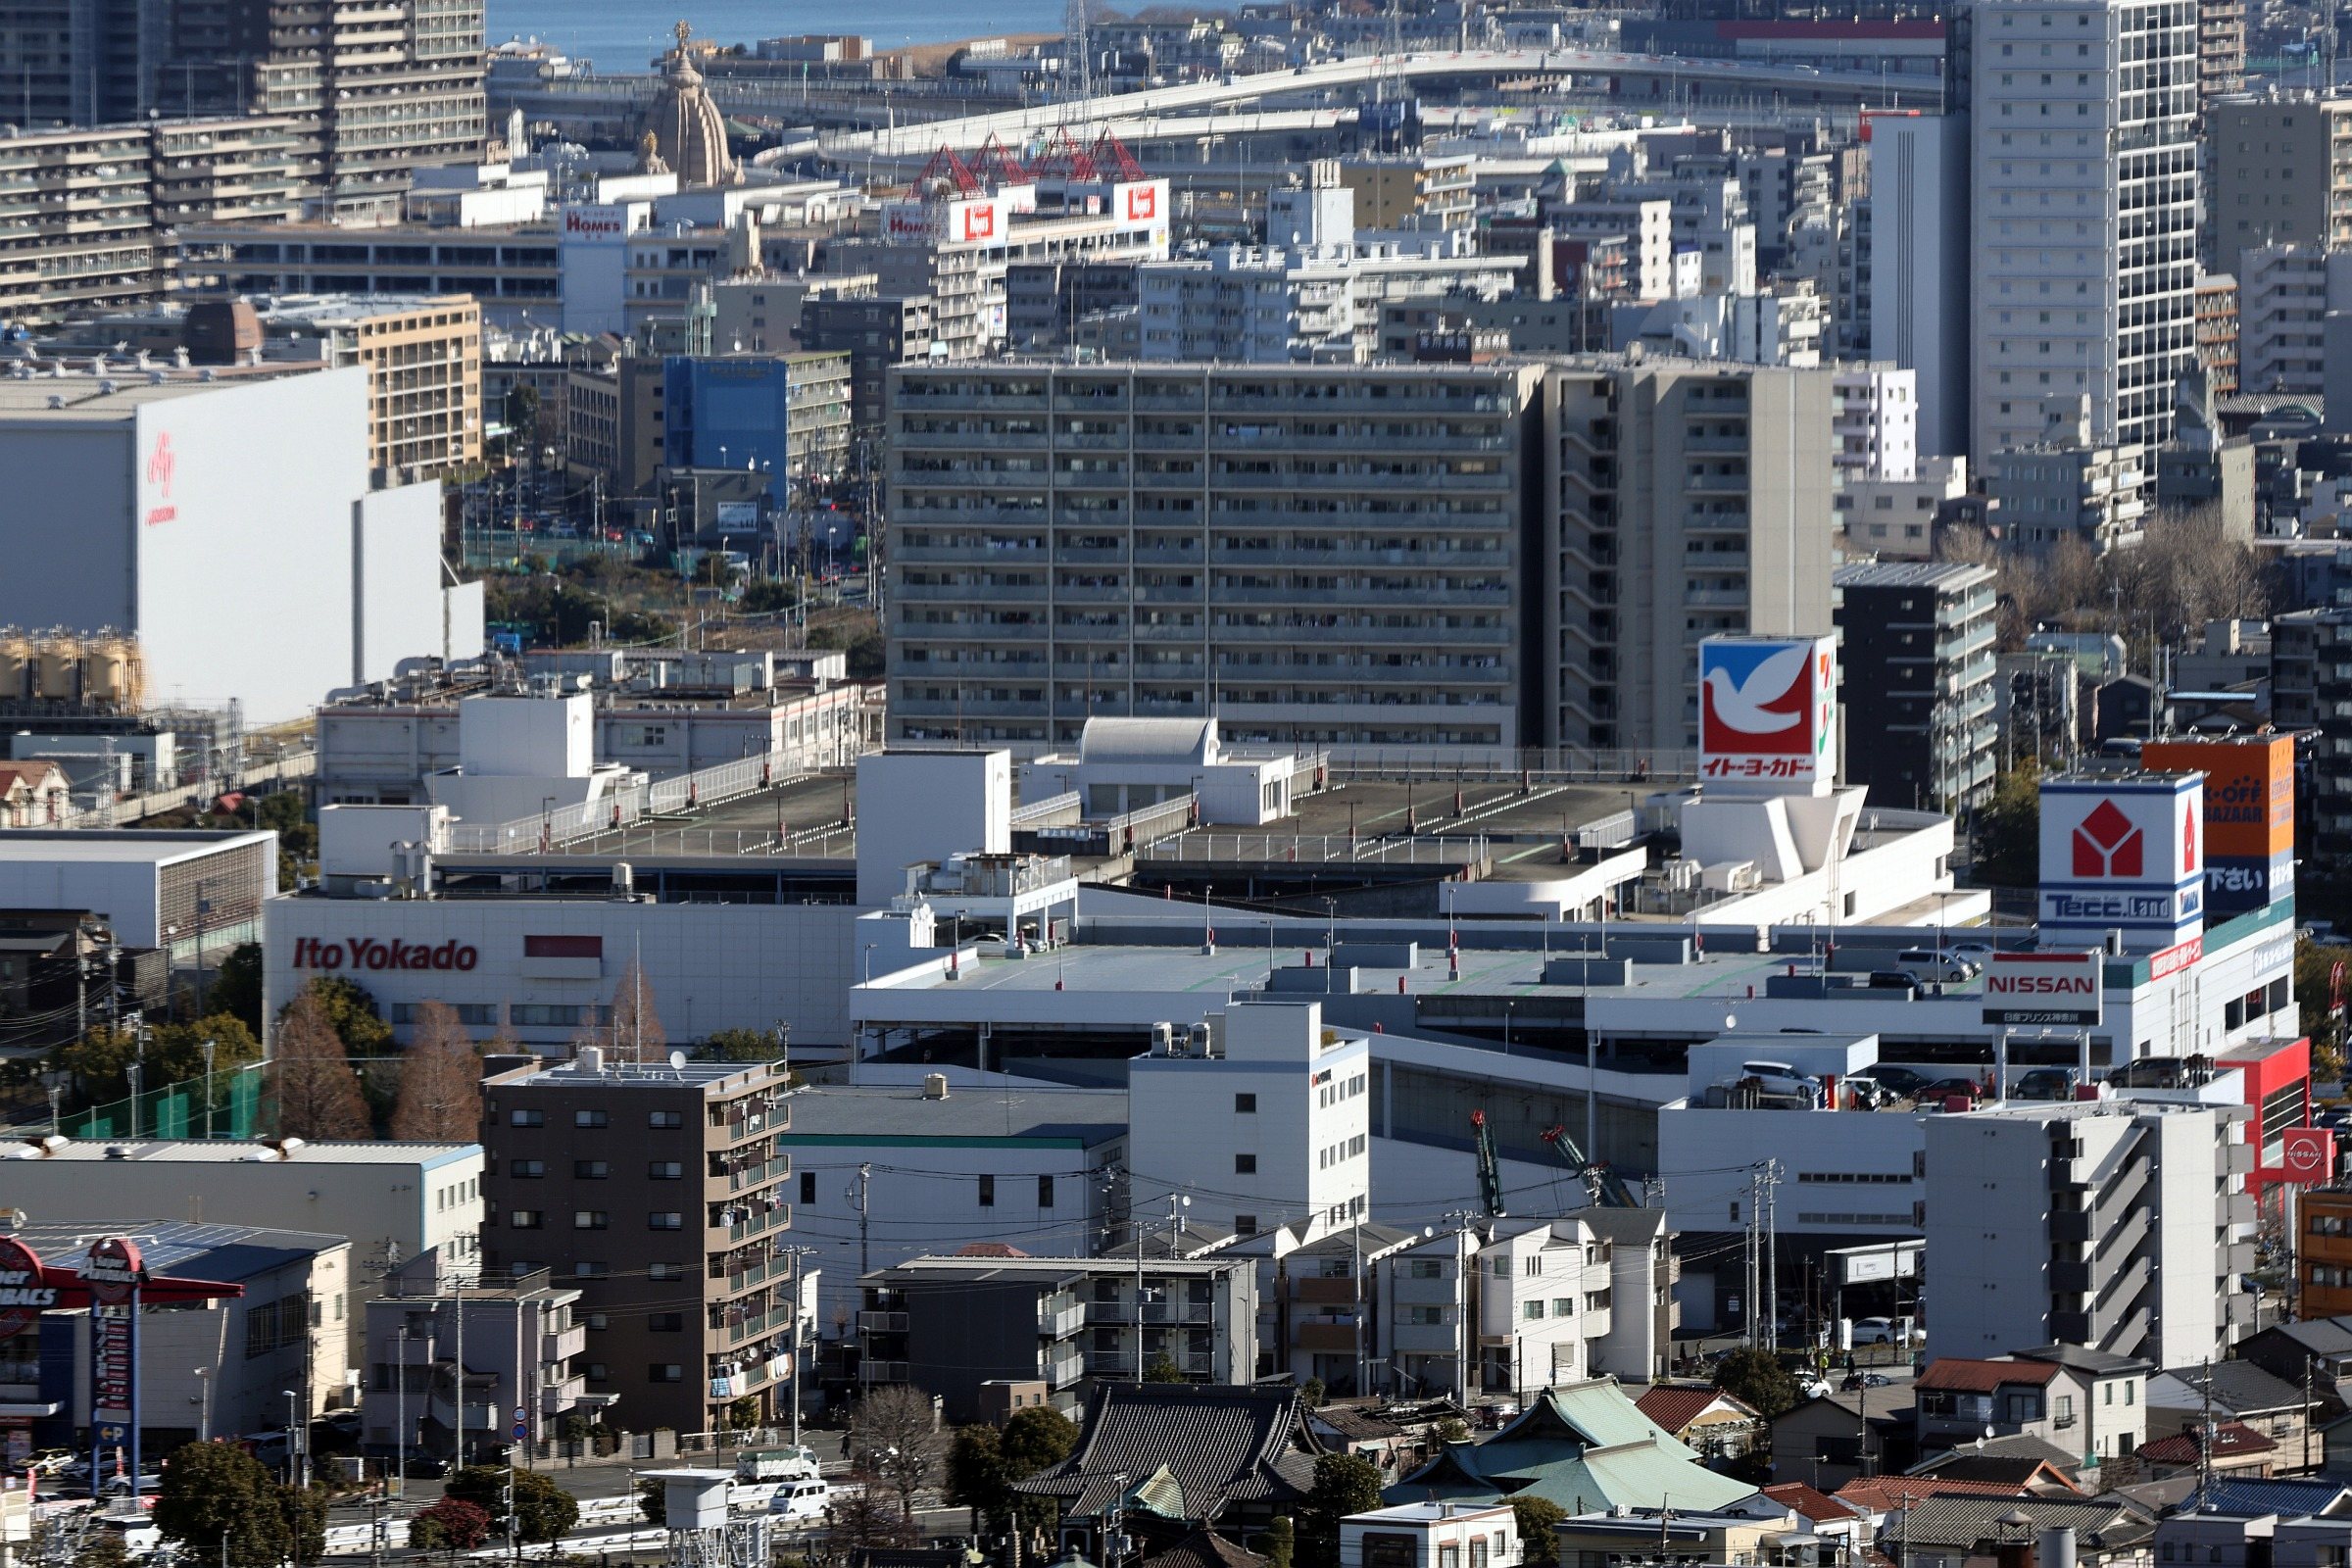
[
  {"x": 1276, "y": 1131},
  {"x": 710, "y": 966},
  {"x": 177, "y": 517},
  {"x": 526, "y": 737},
  {"x": 918, "y": 807},
  {"x": 1847, "y": 1173},
  {"x": 1546, "y": 1292},
  {"x": 400, "y": 609},
  {"x": 1875, "y": 419},
  {"x": 381, "y": 1196}
]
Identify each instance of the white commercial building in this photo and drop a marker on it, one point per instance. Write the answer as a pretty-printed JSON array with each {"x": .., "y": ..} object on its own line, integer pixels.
[
  {"x": 390, "y": 1201},
  {"x": 1259, "y": 1117},
  {"x": 2083, "y": 208},
  {"x": 1874, "y": 423},
  {"x": 189, "y": 891},
  {"x": 2121, "y": 1227},
  {"x": 224, "y": 520}
]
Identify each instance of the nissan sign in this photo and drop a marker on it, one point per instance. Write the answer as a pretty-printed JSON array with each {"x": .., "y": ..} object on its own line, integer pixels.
[
  {"x": 2308, "y": 1153},
  {"x": 2042, "y": 988}
]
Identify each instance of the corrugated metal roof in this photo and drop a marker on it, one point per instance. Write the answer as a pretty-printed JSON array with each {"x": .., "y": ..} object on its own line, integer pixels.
[{"x": 1982, "y": 1376}]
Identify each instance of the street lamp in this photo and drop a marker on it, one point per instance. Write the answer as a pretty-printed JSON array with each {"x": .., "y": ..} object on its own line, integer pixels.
[{"x": 204, "y": 1404}]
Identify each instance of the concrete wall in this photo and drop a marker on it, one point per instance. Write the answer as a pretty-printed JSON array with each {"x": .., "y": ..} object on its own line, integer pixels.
[
  {"x": 399, "y": 607},
  {"x": 1919, "y": 224},
  {"x": 927, "y": 805}
]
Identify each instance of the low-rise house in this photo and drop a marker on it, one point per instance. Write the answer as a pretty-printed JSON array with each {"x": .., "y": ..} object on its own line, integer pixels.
[
  {"x": 1953, "y": 1531},
  {"x": 2018, "y": 1460},
  {"x": 1960, "y": 1400},
  {"x": 1430, "y": 1535},
  {"x": 1702, "y": 1418},
  {"x": 2179, "y": 1398},
  {"x": 1831, "y": 1439},
  {"x": 34, "y": 794},
  {"x": 2227, "y": 1446}
]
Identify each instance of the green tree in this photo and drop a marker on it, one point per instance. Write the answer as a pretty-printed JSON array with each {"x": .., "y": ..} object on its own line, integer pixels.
[
  {"x": 297, "y": 837},
  {"x": 1281, "y": 1542},
  {"x": 214, "y": 1493},
  {"x": 1314, "y": 1392},
  {"x": 351, "y": 1013},
  {"x": 2007, "y": 831},
  {"x": 543, "y": 1510},
  {"x": 1535, "y": 1516},
  {"x": 1345, "y": 1483},
  {"x": 2316, "y": 994},
  {"x": 746, "y": 1044},
  {"x": 306, "y": 1515},
  {"x": 236, "y": 988},
  {"x": 1757, "y": 1378},
  {"x": 1453, "y": 1429},
  {"x": 983, "y": 1464},
  {"x": 101, "y": 1549},
  {"x": 453, "y": 1526},
  {"x": 1164, "y": 1369},
  {"x": 100, "y": 1063},
  {"x": 175, "y": 1051},
  {"x": 652, "y": 1500}
]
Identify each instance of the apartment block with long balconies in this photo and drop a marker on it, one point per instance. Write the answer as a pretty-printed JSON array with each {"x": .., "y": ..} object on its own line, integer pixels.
[
  {"x": 1687, "y": 499},
  {"x": 1320, "y": 555}
]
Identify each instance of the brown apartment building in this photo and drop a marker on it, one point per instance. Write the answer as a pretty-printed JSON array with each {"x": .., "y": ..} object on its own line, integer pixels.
[
  {"x": 658, "y": 1193},
  {"x": 2324, "y": 1253}
]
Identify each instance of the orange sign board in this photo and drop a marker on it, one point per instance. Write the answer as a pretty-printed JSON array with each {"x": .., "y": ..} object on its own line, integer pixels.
[{"x": 2249, "y": 790}]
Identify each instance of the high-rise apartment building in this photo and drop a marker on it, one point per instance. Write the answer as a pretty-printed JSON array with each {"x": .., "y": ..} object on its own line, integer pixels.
[
  {"x": 2116, "y": 1226},
  {"x": 2221, "y": 49},
  {"x": 1687, "y": 499},
  {"x": 1325, "y": 555},
  {"x": 1913, "y": 242},
  {"x": 2284, "y": 294},
  {"x": 2277, "y": 172},
  {"x": 1917, "y": 661},
  {"x": 656, "y": 1193},
  {"x": 375, "y": 88},
  {"x": 2085, "y": 213}
]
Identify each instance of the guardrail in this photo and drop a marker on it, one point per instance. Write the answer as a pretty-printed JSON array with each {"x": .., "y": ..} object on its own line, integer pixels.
[
  {"x": 624, "y": 808},
  {"x": 1067, "y": 803},
  {"x": 1270, "y": 848}
]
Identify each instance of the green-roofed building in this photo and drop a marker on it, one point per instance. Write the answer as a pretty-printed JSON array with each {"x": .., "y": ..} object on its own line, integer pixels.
[{"x": 1584, "y": 1446}]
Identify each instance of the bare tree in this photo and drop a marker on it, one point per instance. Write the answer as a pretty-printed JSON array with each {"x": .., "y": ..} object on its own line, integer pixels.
[
  {"x": 314, "y": 1093},
  {"x": 895, "y": 1436},
  {"x": 636, "y": 1025},
  {"x": 440, "y": 1081}
]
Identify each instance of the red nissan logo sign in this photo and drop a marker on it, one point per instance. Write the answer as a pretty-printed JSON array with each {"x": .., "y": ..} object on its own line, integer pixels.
[{"x": 2309, "y": 1152}]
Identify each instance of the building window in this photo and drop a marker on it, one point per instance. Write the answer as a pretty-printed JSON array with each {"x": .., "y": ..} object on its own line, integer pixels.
[
  {"x": 1563, "y": 1306},
  {"x": 665, "y": 1170},
  {"x": 1424, "y": 1268},
  {"x": 1421, "y": 1317},
  {"x": 665, "y": 1322},
  {"x": 588, "y": 1118},
  {"x": 663, "y": 1121},
  {"x": 988, "y": 1192},
  {"x": 590, "y": 1171},
  {"x": 598, "y": 1372},
  {"x": 589, "y": 1219},
  {"x": 1244, "y": 1165},
  {"x": 664, "y": 1272},
  {"x": 523, "y": 1170},
  {"x": 666, "y": 1372},
  {"x": 523, "y": 1219},
  {"x": 671, "y": 1221},
  {"x": 1532, "y": 1309},
  {"x": 807, "y": 1187},
  {"x": 1044, "y": 1192},
  {"x": 1449, "y": 1554},
  {"x": 1244, "y": 1224},
  {"x": 526, "y": 1118},
  {"x": 1245, "y": 1104}
]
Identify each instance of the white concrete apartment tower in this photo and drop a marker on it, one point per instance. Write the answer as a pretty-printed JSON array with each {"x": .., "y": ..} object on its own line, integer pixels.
[{"x": 2085, "y": 196}]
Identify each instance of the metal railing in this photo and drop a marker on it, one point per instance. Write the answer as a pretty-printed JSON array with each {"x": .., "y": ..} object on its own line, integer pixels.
[
  {"x": 626, "y": 807},
  {"x": 1269, "y": 848}
]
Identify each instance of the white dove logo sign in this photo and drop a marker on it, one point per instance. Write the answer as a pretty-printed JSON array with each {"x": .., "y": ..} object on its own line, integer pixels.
[{"x": 1765, "y": 711}]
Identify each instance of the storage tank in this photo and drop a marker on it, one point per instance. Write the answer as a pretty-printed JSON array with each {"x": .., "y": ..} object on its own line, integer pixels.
[
  {"x": 16, "y": 665},
  {"x": 56, "y": 669},
  {"x": 110, "y": 667}
]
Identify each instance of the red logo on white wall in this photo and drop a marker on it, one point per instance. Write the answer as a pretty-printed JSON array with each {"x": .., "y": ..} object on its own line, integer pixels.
[
  {"x": 161, "y": 465},
  {"x": 979, "y": 222},
  {"x": 1143, "y": 203}
]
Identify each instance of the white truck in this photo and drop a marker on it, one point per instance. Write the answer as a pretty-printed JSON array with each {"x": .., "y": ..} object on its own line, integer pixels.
[{"x": 776, "y": 1464}]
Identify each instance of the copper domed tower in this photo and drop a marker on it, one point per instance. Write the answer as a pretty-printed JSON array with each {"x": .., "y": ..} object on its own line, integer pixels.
[{"x": 690, "y": 135}]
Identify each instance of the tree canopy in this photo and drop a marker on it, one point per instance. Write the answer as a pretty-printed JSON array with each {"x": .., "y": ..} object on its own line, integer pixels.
[
  {"x": 1757, "y": 1377},
  {"x": 214, "y": 1493},
  {"x": 543, "y": 1510}
]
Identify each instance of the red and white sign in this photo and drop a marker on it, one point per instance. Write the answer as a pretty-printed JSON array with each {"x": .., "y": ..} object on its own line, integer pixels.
[
  {"x": 2044, "y": 988},
  {"x": 2123, "y": 854},
  {"x": 1767, "y": 714},
  {"x": 162, "y": 464},
  {"x": 980, "y": 221},
  {"x": 23, "y": 1294},
  {"x": 2308, "y": 1153},
  {"x": 2171, "y": 961},
  {"x": 596, "y": 224}
]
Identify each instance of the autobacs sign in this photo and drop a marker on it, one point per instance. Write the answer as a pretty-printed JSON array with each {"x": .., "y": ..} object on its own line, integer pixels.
[{"x": 376, "y": 953}]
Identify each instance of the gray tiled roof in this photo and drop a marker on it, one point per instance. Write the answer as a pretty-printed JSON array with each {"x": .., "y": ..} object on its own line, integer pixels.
[
  {"x": 1965, "y": 1521},
  {"x": 2237, "y": 1388},
  {"x": 1224, "y": 1443}
]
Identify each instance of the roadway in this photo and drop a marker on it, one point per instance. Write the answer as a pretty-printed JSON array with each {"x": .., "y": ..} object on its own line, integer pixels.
[{"x": 1016, "y": 126}]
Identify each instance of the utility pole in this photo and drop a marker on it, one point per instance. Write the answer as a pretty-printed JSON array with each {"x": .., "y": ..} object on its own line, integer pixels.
[
  {"x": 1772, "y": 1274},
  {"x": 864, "y": 1262}
]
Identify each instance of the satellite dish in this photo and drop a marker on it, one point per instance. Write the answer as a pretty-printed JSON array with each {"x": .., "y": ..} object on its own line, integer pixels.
[
  {"x": 677, "y": 1060},
  {"x": 1731, "y": 1020}
]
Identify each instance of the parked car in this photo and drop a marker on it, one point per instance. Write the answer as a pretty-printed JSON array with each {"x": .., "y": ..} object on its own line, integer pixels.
[
  {"x": 1878, "y": 1331},
  {"x": 1901, "y": 1082},
  {"x": 2044, "y": 1083},
  {"x": 1940, "y": 966},
  {"x": 2151, "y": 1072},
  {"x": 1780, "y": 1078},
  {"x": 1892, "y": 980}
]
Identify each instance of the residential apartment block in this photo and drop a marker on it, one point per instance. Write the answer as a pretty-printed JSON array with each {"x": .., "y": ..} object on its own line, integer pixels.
[
  {"x": 2277, "y": 172},
  {"x": 2083, "y": 109},
  {"x": 946, "y": 1325},
  {"x": 1320, "y": 555},
  {"x": 521, "y": 1338},
  {"x": 2123, "y": 1228},
  {"x": 1686, "y": 499},
  {"x": 658, "y": 1193},
  {"x": 1917, "y": 660}
]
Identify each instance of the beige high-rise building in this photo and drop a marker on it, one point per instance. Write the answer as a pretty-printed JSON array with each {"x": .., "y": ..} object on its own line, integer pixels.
[
  {"x": 2278, "y": 172},
  {"x": 1687, "y": 499}
]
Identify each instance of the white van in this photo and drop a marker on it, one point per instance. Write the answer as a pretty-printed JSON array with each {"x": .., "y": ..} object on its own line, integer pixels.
[
  {"x": 800, "y": 1499},
  {"x": 1939, "y": 966}
]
